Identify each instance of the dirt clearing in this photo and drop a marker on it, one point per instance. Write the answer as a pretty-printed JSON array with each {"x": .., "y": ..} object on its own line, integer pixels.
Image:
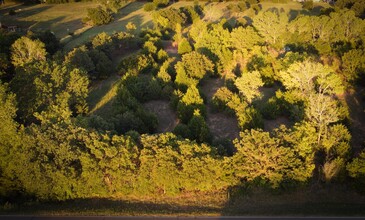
[{"x": 167, "y": 119}]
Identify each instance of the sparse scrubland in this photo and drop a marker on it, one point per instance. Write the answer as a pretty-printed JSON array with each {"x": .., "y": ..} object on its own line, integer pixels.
[{"x": 195, "y": 108}]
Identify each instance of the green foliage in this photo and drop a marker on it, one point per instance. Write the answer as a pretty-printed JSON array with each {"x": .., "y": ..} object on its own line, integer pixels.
[
  {"x": 113, "y": 5},
  {"x": 248, "y": 85},
  {"x": 244, "y": 38},
  {"x": 190, "y": 102},
  {"x": 308, "y": 5},
  {"x": 50, "y": 90},
  {"x": 193, "y": 67},
  {"x": 184, "y": 47},
  {"x": 99, "y": 16},
  {"x": 356, "y": 167},
  {"x": 52, "y": 44},
  {"x": 168, "y": 18},
  {"x": 26, "y": 51},
  {"x": 214, "y": 42},
  {"x": 198, "y": 128},
  {"x": 149, "y": 6},
  {"x": 271, "y": 25},
  {"x": 79, "y": 58},
  {"x": 192, "y": 14},
  {"x": 353, "y": 63},
  {"x": 260, "y": 156},
  {"x": 310, "y": 76},
  {"x": 161, "y": 3},
  {"x": 102, "y": 41},
  {"x": 9, "y": 138},
  {"x": 103, "y": 65}
]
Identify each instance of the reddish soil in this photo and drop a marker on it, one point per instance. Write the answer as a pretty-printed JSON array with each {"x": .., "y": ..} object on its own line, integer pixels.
[{"x": 167, "y": 119}]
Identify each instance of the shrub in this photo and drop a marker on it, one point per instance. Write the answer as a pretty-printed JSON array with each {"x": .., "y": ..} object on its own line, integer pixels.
[
  {"x": 149, "y": 6},
  {"x": 184, "y": 47},
  {"x": 161, "y": 3},
  {"x": 99, "y": 16},
  {"x": 308, "y": 5},
  {"x": 12, "y": 12}
]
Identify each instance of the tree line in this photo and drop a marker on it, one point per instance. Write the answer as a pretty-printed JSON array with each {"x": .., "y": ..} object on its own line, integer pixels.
[{"x": 53, "y": 149}]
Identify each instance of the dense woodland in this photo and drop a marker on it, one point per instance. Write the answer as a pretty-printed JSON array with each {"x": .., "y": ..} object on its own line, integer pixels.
[{"x": 53, "y": 148}]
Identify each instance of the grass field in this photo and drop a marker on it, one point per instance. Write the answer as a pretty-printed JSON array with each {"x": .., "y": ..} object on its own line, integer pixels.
[{"x": 63, "y": 19}]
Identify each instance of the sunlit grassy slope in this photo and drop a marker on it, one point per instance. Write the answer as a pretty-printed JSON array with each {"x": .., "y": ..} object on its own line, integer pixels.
[{"x": 63, "y": 19}]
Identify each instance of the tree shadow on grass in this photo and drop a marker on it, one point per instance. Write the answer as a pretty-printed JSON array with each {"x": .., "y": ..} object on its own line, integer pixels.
[
  {"x": 102, "y": 206},
  {"x": 24, "y": 11},
  {"x": 295, "y": 13},
  {"x": 116, "y": 26},
  {"x": 294, "y": 200},
  {"x": 16, "y": 19}
]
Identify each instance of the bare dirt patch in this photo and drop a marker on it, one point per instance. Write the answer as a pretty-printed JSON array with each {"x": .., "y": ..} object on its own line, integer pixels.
[
  {"x": 221, "y": 125},
  {"x": 270, "y": 125},
  {"x": 170, "y": 47},
  {"x": 167, "y": 119}
]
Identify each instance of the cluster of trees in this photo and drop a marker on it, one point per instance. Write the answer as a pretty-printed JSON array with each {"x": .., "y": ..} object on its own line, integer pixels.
[
  {"x": 51, "y": 148},
  {"x": 103, "y": 14}
]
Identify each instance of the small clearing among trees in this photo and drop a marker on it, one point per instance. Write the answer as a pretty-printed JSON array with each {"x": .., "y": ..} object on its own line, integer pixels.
[
  {"x": 167, "y": 119},
  {"x": 221, "y": 125}
]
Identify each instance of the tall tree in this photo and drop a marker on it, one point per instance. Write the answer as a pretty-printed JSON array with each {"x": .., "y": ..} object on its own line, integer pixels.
[
  {"x": 248, "y": 84},
  {"x": 271, "y": 25},
  {"x": 25, "y": 51}
]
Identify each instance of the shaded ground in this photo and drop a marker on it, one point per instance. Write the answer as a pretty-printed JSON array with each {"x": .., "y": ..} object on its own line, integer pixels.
[
  {"x": 167, "y": 119},
  {"x": 220, "y": 124},
  {"x": 270, "y": 125},
  {"x": 314, "y": 200},
  {"x": 170, "y": 48},
  {"x": 356, "y": 103}
]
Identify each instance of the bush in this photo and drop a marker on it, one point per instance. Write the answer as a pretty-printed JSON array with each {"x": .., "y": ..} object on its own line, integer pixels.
[
  {"x": 161, "y": 3},
  {"x": 149, "y": 6},
  {"x": 99, "y": 16},
  {"x": 308, "y": 5},
  {"x": 184, "y": 47},
  {"x": 12, "y": 12}
]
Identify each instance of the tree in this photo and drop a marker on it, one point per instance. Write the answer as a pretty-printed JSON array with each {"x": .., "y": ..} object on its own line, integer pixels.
[
  {"x": 190, "y": 102},
  {"x": 262, "y": 157},
  {"x": 79, "y": 58},
  {"x": 103, "y": 65},
  {"x": 271, "y": 25},
  {"x": 102, "y": 41},
  {"x": 193, "y": 67},
  {"x": 244, "y": 38},
  {"x": 9, "y": 138},
  {"x": 353, "y": 63},
  {"x": 198, "y": 128},
  {"x": 131, "y": 27},
  {"x": 248, "y": 85},
  {"x": 51, "y": 90},
  {"x": 184, "y": 46},
  {"x": 197, "y": 65},
  {"x": 321, "y": 110},
  {"x": 356, "y": 167},
  {"x": 99, "y": 16},
  {"x": 309, "y": 77},
  {"x": 25, "y": 51}
]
